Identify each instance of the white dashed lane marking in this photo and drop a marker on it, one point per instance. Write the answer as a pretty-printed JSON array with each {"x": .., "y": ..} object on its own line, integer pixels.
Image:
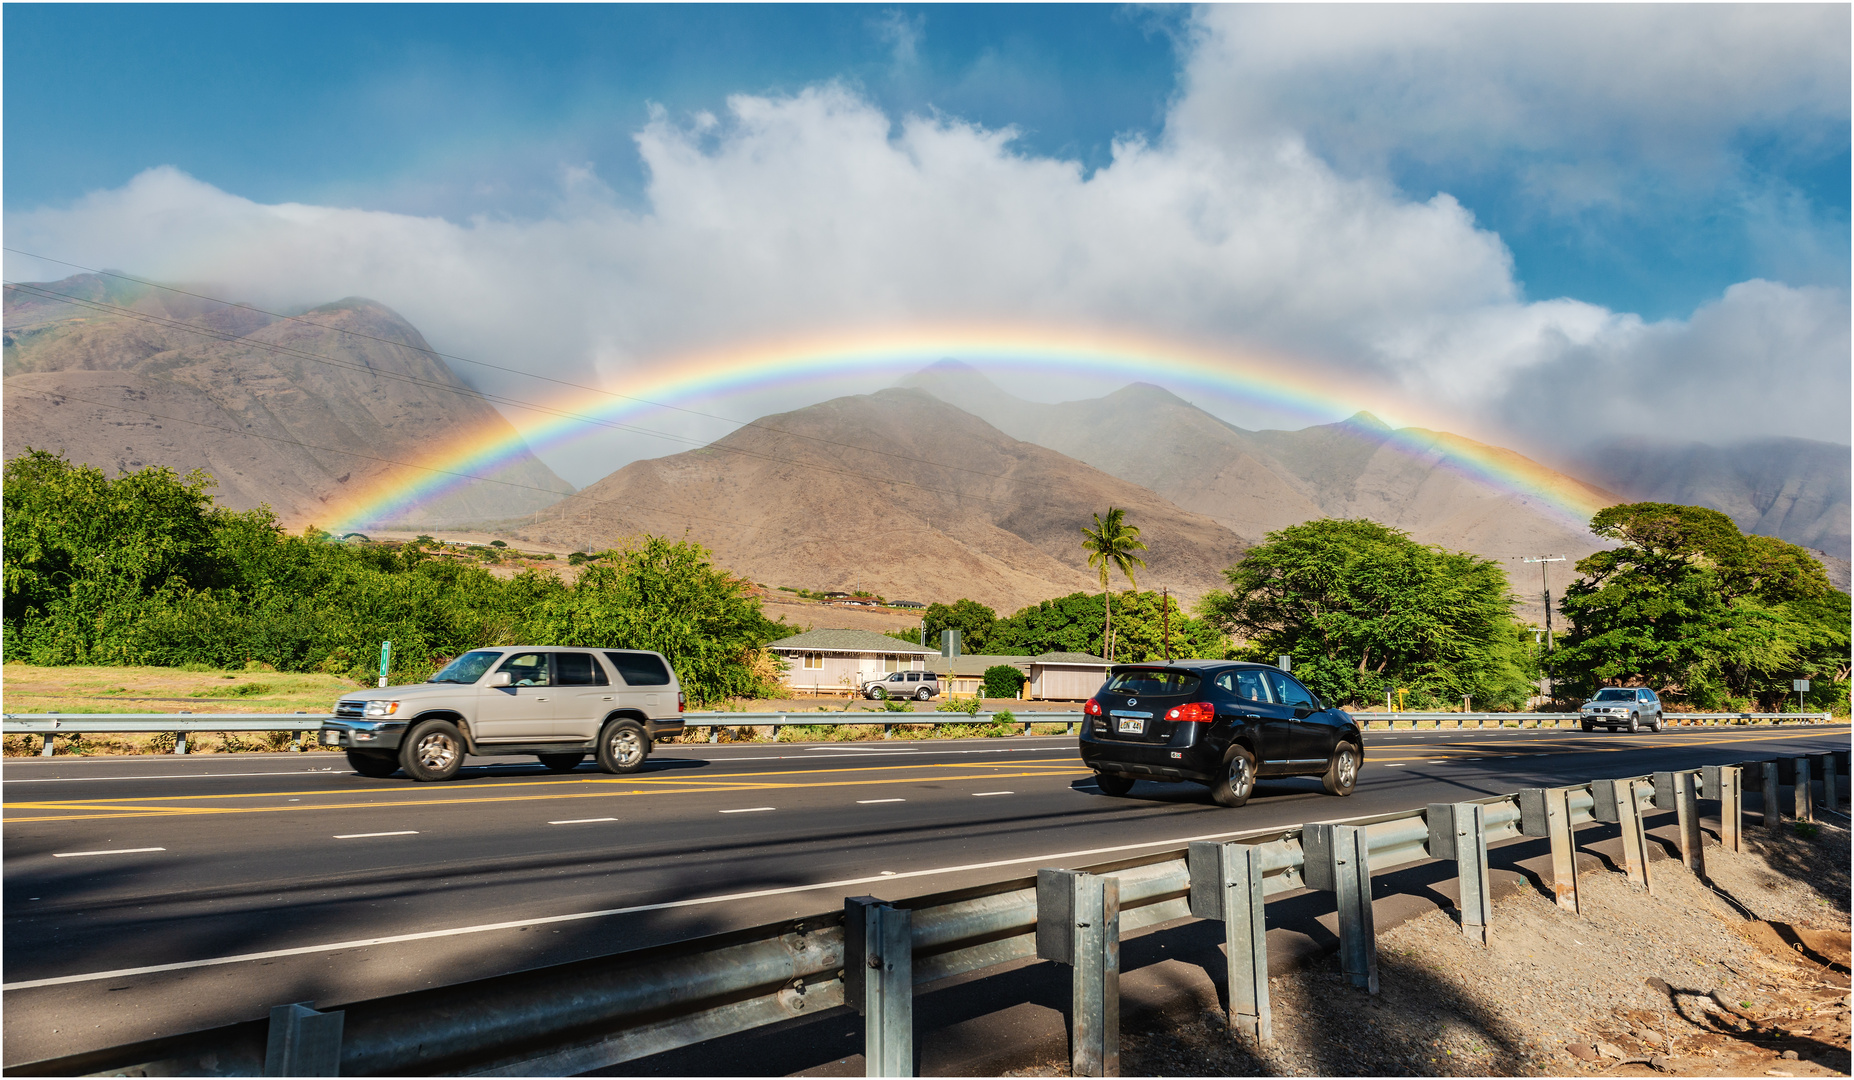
[
  {"x": 365, "y": 835},
  {"x": 982, "y": 794},
  {"x": 750, "y": 810},
  {"x": 582, "y": 820},
  {"x": 871, "y": 802},
  {"x": 107, "y": 851}
]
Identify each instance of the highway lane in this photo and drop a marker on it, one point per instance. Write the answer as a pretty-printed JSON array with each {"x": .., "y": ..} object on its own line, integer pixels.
[{"x": 291, "y": 862}]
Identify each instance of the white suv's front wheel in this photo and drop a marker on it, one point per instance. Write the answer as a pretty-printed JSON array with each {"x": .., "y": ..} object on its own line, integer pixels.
[
  {"x": 623, "y": 746},
  {"x": 432, "y": 750}
]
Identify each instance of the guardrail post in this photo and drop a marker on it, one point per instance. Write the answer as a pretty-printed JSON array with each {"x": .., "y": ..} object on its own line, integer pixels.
[
  {"x": 1686, "y": 808},
  {"x": 1634, "y": 836},
  {"x": 180, "y": 742},
  {"x": 1604, "y": 799},
  {"x": 1458, "y": 831},
  {"x": 303, "y": 1042},
  {"x": 1805, "y": 791},
  {"x": 878, "y": 977},
  {"x": 1338, "y": 859},
  {"x": 1730, "y": 791},
  {"x": 47, "y": 752},
  {"x": 1831, "y": 797},
  {"x": 1078, "y": 924},
  {"x": 1547, "y": 812},
  {"x": 1226, "y": 884},
  {"x": 1773, "y": 813}
]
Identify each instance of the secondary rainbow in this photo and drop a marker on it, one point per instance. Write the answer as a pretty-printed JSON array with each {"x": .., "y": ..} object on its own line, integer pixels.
[{"x": 1279, "y": 384}]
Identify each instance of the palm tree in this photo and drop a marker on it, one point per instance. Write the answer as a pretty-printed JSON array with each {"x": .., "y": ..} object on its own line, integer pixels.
[{"x": 1111, "y": 543}]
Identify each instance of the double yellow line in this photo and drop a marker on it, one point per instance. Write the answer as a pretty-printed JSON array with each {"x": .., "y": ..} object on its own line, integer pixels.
[{"x": 447, "y": 795}]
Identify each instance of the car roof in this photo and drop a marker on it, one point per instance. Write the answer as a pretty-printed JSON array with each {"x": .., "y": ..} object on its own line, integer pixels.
[{"x": 1192, "y": 665}]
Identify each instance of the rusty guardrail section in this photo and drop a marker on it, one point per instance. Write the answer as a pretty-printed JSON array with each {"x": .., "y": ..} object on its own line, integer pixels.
[
  {"x": 605, "y": 1011},
  {"x": 50, "y": 725}
]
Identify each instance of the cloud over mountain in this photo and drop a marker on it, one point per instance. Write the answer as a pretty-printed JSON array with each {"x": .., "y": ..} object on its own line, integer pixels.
[{"x": 816, "y": 209}]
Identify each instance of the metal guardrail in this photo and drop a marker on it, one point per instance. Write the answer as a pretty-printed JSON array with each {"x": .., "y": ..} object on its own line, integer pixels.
[{"x": 602, "y": 1012}]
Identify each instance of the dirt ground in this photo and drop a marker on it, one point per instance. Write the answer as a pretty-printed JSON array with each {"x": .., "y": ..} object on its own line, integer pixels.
[{"x": 1747, "y": 977}]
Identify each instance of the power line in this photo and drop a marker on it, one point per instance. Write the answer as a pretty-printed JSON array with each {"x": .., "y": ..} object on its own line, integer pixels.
[
  {"x": 464, "y": 391},
  {"x": 479, "y": 363},
  {"x": 562, "y": 496}
]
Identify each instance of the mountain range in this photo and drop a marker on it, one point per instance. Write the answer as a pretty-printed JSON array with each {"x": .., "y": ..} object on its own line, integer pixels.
[
  {"x": 944, "y": 487},
  {"x": 302, "y": 413}
]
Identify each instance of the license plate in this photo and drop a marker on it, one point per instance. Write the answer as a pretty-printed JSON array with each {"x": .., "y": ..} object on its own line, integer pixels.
[
  {"x": 331, "y": 738},
  {"x": 1132, "y": 726}
]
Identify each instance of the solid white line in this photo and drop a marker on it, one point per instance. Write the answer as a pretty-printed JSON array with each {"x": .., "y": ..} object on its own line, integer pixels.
[
  {"x": 109, "y": 851},
  {"x": 982, "y": 794},
  {"x": 750, "y": 810},
  {"x": 1056, "y": 858},
  {"x": 871, "y": 802},
  {"x": 582, "y": 820},
  {"x": 364, "y": 835},
  {"x": 178, "y": 776}
]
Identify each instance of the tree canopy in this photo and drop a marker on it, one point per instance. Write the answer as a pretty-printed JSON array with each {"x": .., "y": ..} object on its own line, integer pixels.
[
  {"x": 1110, "y": 546},
  {"x": 1075, "y": 623},
  {"x": 1363, "y": 610},
  {"x": 144, "y": 569},
  {"x": 1691, "y": 606}
]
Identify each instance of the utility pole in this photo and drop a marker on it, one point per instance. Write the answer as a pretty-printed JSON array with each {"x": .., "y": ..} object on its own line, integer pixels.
[
  {"x": 1545, "y": 583},
  {"x": 1165, "y": 619}
]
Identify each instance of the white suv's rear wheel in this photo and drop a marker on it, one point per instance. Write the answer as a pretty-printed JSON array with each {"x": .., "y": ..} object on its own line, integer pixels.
[{"x": 623, "y": 746}]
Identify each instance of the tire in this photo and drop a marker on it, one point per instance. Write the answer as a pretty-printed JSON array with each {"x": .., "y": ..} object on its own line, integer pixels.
[
  {"x": 1588, "y": 726},
  {"x": 373, "y": 763},
  {"x": 561, "y": 762},
  {"x": 923, "y": 694},
  {"x": 1235, "y": 778},
  {"x": 1113, "y": 783},
  {"x": 1635, "y": 722},
  {"x": 1657, "y": 724},
  {"x": 878, "y": 694},
  {"x": 1342, "y": 771},
  {"x": 623, "y": 747},
  {"x": 432, "y": 751}
]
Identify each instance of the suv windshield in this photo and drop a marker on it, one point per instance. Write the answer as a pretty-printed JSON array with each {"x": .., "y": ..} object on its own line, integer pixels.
[
  {"x": 467, "y": 668},
  {"x": 1615, "y": 694},
  {"x": 1160, "y": 683}
]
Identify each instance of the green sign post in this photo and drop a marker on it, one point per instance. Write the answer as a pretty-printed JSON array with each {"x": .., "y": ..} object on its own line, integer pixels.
[{"x": 386, "y": 660}]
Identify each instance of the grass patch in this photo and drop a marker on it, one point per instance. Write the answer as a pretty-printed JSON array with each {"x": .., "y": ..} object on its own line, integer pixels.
[{"x": 196, "y": 688}]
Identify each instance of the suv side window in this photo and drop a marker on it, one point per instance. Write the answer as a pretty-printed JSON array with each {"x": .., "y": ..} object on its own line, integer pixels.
[
  {"x": 579, "y": 669},
  {"x": 914, "y": 676},
  {"x": 639, "y": 669},
  {"x": 1244, "y": 683},
  {"x": 526, "y": 669},
  {"x": 1289, "y": 692}
]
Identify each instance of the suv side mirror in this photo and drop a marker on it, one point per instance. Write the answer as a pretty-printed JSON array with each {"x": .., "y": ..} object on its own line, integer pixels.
[{"x": 500, "y": 678}]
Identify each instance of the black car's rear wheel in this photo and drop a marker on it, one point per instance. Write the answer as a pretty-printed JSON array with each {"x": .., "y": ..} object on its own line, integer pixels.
[
  {"x": 1235, "y": 779},
  {"x": 1113, "y": 783},
  {"x": 1342, "y": 770},
  {"x": 373, "y": 763}
]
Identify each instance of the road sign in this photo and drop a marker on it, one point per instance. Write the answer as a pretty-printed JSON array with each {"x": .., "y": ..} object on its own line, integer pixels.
[
  {"x": 386, "y": 660},
  {"x": 1801, "y": 686}
]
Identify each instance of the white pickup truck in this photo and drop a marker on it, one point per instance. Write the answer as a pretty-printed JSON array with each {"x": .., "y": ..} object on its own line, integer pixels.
[{"x": 554, "y": 702}]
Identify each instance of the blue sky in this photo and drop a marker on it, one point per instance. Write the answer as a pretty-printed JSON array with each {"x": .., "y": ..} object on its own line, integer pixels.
[{"x": 1469, "y": 201}]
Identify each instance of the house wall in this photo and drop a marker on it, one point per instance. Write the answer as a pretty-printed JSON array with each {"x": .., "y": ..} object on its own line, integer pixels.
[
  {"x": 1050, "y": 683},
  {"x": 842, "y": 672}
]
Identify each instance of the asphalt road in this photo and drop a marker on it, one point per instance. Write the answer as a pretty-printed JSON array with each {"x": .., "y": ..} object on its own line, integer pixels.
[{"x": 253, "y": 880}]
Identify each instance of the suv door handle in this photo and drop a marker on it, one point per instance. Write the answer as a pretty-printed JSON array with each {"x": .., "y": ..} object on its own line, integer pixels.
[{"x": 607, "y": 697}]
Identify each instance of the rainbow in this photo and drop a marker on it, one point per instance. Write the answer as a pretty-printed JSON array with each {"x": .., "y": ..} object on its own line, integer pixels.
[{"x": 1282, "y": 385}]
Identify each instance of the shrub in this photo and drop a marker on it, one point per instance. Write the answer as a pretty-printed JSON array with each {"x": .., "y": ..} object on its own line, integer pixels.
[{"x": 1003, "y": 681}]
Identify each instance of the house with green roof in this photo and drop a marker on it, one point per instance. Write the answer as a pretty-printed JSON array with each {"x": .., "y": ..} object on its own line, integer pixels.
[{"x": 840, "y": 661}]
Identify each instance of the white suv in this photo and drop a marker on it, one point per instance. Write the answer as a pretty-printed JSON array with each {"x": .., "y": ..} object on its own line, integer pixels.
[
  {"x": 556, "y": 703},
  {"x": 919, "y": 685}
]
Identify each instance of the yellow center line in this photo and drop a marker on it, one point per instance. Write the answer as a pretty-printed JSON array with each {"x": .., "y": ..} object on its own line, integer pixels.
[{"x": 114, "y": 809}]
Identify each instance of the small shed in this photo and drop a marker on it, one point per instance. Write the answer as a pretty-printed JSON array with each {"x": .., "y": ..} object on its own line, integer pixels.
[{"x": 1065, "y": 676}]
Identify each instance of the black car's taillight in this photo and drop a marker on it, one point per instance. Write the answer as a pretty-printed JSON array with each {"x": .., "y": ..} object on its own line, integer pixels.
[
  {"x": 1093, "y": 708},
  {"x": 1195, "y": 712}
]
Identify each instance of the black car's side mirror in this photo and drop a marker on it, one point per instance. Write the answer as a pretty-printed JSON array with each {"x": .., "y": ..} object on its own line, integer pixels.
[{"x": 1301, "y": 712}]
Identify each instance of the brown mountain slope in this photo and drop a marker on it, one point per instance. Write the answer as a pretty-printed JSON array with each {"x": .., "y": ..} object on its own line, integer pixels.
[
  {"x": 1432, "y": 484},
  {"x": 897, "y": 493},
  {"x": 194, "y": 384}
]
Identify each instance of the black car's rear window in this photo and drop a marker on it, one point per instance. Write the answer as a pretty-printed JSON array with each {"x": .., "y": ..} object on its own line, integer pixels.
[
  {"x": 639, "y": 669},
  {"x": 1154, "y": 683}
]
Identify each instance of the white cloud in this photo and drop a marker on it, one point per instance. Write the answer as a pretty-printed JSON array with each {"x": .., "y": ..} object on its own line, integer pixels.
[{"x": 816, "y": 212}]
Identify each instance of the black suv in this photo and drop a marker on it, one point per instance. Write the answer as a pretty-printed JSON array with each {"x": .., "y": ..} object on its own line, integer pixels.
[{"x": 1215, "y": 722}]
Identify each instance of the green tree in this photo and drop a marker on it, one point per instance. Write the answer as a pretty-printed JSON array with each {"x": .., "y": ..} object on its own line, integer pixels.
[
  {"x": 973, "y": 620},
  {"x": 1691, "y": 606},
  {"x": 1110, "y": 545},
  {"x": 1003, "y": 680},
  {"x": 1075, "y": 623},
  {"x": 667, "y": 596},
  {"x": 1364, "y": 609}
]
